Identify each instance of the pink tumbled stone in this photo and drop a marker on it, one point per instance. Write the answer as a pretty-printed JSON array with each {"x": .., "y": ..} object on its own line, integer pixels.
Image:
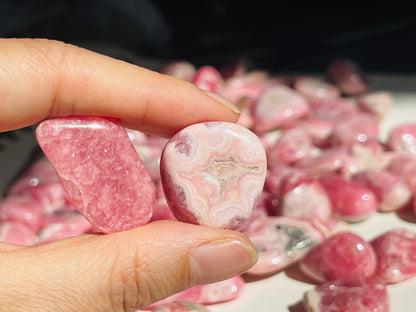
[
  {"x": 341, "y": 255},
  {"x": 213, "y": 173},
  {"x": 403, "y": 139},
  {"x": 21, "y": 209},
  {"x": 99, "y": 170},
  {"x": 208, "y": 294},
  {"x": 208, "y": 78},
  {"x": 348, "y": 295},
  {"x": 391, "y": 191},
  {"x": 376, "y": 103},
  {"x": 17, "y": 233},
  {"x": 181, "y": 306},
  {"x": 350, "y": 201},
  {"x": 278, "y": 105},
  {"x": 315, "y": 89},
  {"x": 396, "y": 255},
  {"x": 180, "y": 69},
  {"x": 281, "y": 242}
]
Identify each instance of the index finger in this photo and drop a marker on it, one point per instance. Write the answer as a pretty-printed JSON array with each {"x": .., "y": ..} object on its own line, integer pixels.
[{"x": 41, "y": 78}]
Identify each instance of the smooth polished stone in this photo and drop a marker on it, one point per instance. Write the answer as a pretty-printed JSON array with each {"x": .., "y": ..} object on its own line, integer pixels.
[
  {"x": 396, "y": 255},
  {"x": 18, "y": 233},
  {"x": 213, "y": 173},
  {"x": 280, "y": 242},
  {"x": 341, "y": 255},
  {"x": 403, "y": 139},
  {"x": 21, "y": 209},
  {"x": 99, "y": 170},
  {"x": 348, "y": 295}
]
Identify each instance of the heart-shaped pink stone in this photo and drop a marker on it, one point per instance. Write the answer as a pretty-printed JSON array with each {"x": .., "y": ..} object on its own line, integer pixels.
[{"x": 213, "y": 173}]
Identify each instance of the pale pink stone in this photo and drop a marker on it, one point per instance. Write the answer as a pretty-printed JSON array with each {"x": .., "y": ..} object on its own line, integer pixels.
[
  {"x": 402, "y": 139},
  {"x": 51, "y": 196},
  {"x": 249, "y": 85},
  {"x": 293, "y": 146},
  {"x": 208, "y": 294},
  {"x": 181, "y": 306},
  {"x": 354, "y": 128},
  {"x": 302, "y": 195},
  {"x": 278, "y": 105},
  {"x": 64, "y": 226},
  {"x": 391, "y": 191},
  {"x": 179, "y": 69},
  {"x": 348, "y": 76},
  {"x": 377, "y": 103},
  {"x": 208, "y": 78},
  {"x": 280, "y": 242},
  {"x": 315, "y": 89},
  {"x": 341, "y": 255},
  {"x": 396, "y": 255},
  {"x": 350, "y": 201},
  {"x": 348, "y": 295},
  {"x": 100, "y": 170},
  {"x": 333, "y": 110},
  {"x": 319, "y": 131},
  {"x": 371, "y": 155},
  {"x": 331, "y": 226},
  {"x": 17, "y": 233},
  {"x": 404, "y": 166},
  {"x": 213, "y": 173},
  {"x": 21, "y": 209}
]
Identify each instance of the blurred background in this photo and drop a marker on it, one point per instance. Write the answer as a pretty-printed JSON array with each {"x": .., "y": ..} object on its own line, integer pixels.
[{"x": 266, "y": 34}]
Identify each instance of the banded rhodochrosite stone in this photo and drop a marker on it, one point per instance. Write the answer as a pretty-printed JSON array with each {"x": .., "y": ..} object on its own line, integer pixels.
[
  {"x": 213, "y": 173},
  {"x": 99, "y": 170}
]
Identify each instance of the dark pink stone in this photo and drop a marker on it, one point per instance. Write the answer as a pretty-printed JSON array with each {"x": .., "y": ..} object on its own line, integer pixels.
[
  {"x": 278, "y": 105},
  {"x": 100, "y": 170},
  {"x": 350, "y": 201},
  {"x": 341, "y": 255},
  {"x": 213, "y": 174},
  {"x": 21, "y": 209},
  {"x": 319, "y": 131},
  {"x": 293, "y": 146},
  {"x": 208, "y": 78},
  {"x": 396, "y": 255},
  {"x": 181, "y": 306},
  {"x": 208, "y": 294},
  {"x": 17, "y": 233},
  {"x": 391, "y": 191},
  {"x": 348, "y": 76},
  {"x": 348, "y": 295},
  {"x": 281, "y": 242},
  {"x": 403, "y": 139}
]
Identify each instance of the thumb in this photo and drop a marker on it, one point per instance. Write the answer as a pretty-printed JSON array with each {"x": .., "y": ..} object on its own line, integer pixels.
[{"x": 122, "y": 271}]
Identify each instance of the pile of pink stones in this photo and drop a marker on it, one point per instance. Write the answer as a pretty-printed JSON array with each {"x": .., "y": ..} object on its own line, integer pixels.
[{"x": 326, "y": 168}]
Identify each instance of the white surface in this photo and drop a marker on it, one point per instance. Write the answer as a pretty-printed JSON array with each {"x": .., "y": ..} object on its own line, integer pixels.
[{"x": 280, "y": 292}]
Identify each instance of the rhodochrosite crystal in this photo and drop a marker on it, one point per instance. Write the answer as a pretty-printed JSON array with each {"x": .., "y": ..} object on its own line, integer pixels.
[
  {"x": 348, "y": 295},
  {"x": 100, "y": 170},
  {"x": 396, "y": 254},
  {"x": 341, "y": 255},
  {"x": 213, "y": 173}
]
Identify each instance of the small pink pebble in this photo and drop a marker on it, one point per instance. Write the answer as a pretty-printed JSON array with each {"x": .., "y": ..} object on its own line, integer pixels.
[
  {"x": 348, "y": 295},
  {"x": 391, "y": 191},
  {"x": 341, "y": 255},
  {"x": 18, "y": 233},
  {"x": 315, "y": 89},
  {"x": 181, "y": 306},
  {"x": 180, "y": 69},
  {"x": 21, "y": 209},
  {"x": 213, "y": 174},
  {"x": 396, "y": 255},
  {"x": 281, "y": 242},
  {"x": 99, "y": 170},
  {"x": 403, "y": 139},
  {"x": 208, "y": 78},
  {"x": 376, "y": 103},
  {"x": 350, "y": 201},
  {"x": 277, "y": 106}
]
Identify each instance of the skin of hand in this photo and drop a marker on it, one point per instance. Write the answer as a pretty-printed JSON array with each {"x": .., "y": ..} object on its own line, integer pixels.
[{"x": 127, "y": 270}]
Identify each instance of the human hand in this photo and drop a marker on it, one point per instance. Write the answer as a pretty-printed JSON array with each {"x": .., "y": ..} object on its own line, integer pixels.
[{"x": 127, "y": 270}]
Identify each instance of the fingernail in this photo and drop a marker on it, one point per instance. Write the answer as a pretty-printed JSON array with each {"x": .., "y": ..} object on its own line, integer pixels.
[
  {"x": 220, "y": 260},
  {"x": 223, "y": 101}
]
